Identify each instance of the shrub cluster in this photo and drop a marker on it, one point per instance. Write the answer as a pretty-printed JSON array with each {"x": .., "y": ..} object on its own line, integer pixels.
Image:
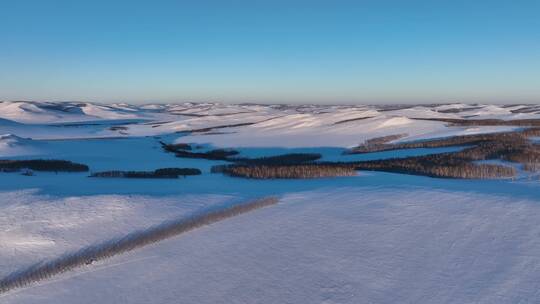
[{"x": 42, "y": 165}]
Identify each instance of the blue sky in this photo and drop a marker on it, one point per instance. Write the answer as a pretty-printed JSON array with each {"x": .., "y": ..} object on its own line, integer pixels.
[{"x": 400, "y": 51}]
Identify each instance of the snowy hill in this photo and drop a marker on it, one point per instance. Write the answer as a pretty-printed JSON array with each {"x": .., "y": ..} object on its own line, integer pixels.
[
  {"x": 55, "y": 112},
  {"x": 12, "y": 145},
  {"x": 253, "y": 125}
]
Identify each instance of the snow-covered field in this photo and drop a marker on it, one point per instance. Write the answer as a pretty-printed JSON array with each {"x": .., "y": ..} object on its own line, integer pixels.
[
  {"x": 345, "y": 245},
  {"x": 371, "y": 238}
]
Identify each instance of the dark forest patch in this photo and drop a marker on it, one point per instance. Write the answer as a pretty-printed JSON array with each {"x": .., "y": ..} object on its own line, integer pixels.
[
  {"x": 158, "y": 173},
  {"x": 51, "y": 165}
]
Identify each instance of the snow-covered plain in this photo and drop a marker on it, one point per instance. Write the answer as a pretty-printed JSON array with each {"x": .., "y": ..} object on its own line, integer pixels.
[
  {"x": 345, "y": 245},
  {"x": 371, "y": 238}
]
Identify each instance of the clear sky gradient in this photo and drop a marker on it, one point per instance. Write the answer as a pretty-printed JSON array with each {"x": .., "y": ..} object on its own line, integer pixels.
[{"x": 400, "y": 51}]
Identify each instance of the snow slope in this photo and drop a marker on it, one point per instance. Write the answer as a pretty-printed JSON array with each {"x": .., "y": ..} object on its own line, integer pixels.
[
  {"x": 57, "y": 112},
  {"x": 33, "y": 227},
  {"x": 341, "y": 245}
]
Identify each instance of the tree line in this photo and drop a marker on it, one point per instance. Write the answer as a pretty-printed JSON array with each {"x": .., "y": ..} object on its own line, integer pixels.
[
  {"x": 461, "y": 140},
  {"x": 289, "y": 171},
  {"x": 129, "y": 242},
  {"x": 52, "y": 165},
  {"x": 158, "y": 173}
]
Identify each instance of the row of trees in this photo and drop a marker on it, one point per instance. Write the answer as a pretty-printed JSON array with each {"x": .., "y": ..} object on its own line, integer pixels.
[
  {"x": 533, "y": 167},
  {"x": 289, "y": 171},
  {"x": 487, "y": 122},
  {"x": 475, "y": 139},
  {"x": 129, "y": 242},
  {"x": 439, "y": 168}
]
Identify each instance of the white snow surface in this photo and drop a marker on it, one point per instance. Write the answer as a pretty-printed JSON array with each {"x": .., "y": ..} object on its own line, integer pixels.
[
  {"x": 372, "y": 238},
  {"x": 343, "y": 245}
]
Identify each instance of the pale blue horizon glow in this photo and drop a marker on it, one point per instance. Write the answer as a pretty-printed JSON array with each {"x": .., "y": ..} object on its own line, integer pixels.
[{"x": 373, "y": 51}]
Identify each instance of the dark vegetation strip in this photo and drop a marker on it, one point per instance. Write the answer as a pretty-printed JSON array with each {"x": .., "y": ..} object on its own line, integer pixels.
[
  {"x": 386, "y": 108},
  {"x": 131, "y": 241},
  {"x": 424, "y": 166},
  {"x": 459, "y": 110},
  {"x": 352, "y": 119},
  {"x": 487, "y": 122},
  {"x": 52, "y": 165},
  {"x": 184, "y": 151},
  {"x": 508, "y": 146},
  {"x": 535, "y": 109},
  {"x": 174, "y": 147},
  {"x": 376, "y": 145},
  {"x": 217, "y": 154},
  {"x": 284, "y": 159},
  {"x": 217, "y": 127},
  {"x": 159, "y": 173},
  {"x": 288, "y": 171},
  {"x": 438, "y": 165}
]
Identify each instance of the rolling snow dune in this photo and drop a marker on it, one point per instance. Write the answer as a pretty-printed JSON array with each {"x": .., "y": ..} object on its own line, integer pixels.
[{"x": 346, "y": 245}]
